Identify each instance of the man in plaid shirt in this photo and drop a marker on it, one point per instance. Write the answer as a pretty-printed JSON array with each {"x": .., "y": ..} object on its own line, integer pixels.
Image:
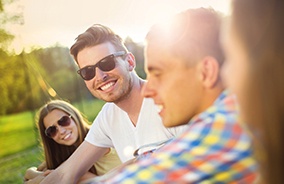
[{"x": 183, "y": 61}]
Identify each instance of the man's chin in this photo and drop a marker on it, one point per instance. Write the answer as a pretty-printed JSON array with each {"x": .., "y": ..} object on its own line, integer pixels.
[
  {"x": 167, "y": 123},
  {"x": 170, "y": 124}
]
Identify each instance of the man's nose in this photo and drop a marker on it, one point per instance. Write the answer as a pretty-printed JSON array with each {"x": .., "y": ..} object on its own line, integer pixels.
[
  {"x": 100, "y": 75},
  {"x": 147, "y": 91}
]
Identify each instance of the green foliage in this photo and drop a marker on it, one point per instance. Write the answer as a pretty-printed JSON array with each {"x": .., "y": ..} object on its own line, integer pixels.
[
  {"x": 59, "y": 72},
  {"x": 90, "y": 108},
  {"x": 5, "y": 19},
  {"x": 1, "y": 6},
  {"x": 17, "y": 84},
  {"x": 12, "y": 82},
  {"x": 5, "y": 37},
  {"x": 28, "y": 79}
]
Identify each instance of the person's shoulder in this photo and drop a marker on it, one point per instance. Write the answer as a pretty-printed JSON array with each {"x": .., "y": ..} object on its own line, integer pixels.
[
  {"x": 105, "y": 111},
  {"x": 223, "y": 111},
  {"x": 223, "y": 115},
  {"x": 226, "y": 104},
  {"x": 108, "y": 106},
  {"x": 109, "y": 109}
]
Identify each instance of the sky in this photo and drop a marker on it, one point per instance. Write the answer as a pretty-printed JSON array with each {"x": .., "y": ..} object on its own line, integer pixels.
[{"x": 51, "y": 22}]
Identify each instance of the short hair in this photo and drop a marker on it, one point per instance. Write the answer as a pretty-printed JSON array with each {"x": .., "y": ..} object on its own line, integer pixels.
[
  {"x": 95, "y": 35},
  {"x": 191, "y": 35}
]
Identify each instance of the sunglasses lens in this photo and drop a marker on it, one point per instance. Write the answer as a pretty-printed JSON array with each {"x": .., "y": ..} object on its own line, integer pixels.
[
  {"x": 64, "y": 121},
  {"x": 88, "y": 73},
  {"x": 51, "y": 131},
  {"x": 107, "y": 64}
]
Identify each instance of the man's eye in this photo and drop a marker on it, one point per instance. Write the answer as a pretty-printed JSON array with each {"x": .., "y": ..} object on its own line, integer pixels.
[{"x": 156, "y": 74}]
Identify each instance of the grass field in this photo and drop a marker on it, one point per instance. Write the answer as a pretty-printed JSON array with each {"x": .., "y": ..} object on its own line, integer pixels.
[
  {"x": 19, "y": 145},
  {"x": 17, "y": 133}
]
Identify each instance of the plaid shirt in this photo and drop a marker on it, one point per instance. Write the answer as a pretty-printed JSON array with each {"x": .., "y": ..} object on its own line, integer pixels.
[{"x": 214, "y": 149}]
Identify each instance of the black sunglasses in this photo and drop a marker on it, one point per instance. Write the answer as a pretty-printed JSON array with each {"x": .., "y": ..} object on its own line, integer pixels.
[
  {"x": 106, "y": 64},
  {"x": 52, "y": 130}
]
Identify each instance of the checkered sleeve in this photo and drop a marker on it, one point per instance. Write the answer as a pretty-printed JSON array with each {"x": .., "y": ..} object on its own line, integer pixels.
[{"x": 214, "y": 149}]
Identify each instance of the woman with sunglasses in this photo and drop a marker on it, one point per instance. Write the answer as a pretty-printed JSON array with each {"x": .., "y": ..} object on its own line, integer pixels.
[
  {"x": 62, "y": 129},
  {"x": 254, "y": 46}
]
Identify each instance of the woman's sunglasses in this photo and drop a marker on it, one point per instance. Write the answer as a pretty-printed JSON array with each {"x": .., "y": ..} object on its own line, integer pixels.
[
  {"x": 106, "y": 64},
  {"x": 52, "y": 130}
]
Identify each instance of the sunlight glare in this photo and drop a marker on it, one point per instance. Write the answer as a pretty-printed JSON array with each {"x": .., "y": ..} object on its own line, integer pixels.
[{"x": 133, "y": 19}]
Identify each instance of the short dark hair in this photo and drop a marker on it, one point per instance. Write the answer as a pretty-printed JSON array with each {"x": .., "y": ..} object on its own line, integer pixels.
[{"x": 96, "y": 34}]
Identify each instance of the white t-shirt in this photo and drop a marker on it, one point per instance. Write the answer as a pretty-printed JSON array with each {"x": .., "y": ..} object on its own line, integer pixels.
[{"x": 113, "y": 128}]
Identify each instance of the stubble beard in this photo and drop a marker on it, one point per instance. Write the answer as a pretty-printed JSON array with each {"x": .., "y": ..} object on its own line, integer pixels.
[
  {"x": 124, "y": 92},
  {"x": 119, "y": 95}
]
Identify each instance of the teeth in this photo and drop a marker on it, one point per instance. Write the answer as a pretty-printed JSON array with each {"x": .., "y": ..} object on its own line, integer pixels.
[
  {"x": 67, "y": 136},
  {"x": 159, "y": 108},
  {"x": 108, "y": 85}
]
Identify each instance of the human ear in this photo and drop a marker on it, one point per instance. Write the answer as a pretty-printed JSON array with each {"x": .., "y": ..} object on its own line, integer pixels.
[
  {"x": 131, "y": 61},
  {"x": 210, "y": 71}
]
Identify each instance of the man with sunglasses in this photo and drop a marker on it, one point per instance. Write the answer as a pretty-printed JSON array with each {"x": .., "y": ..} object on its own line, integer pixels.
[{"x": 127, "y": 121}]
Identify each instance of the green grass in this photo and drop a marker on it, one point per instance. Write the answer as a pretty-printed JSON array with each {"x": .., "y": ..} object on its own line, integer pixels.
[
  {"x": 17, "y": 133},
  {"x": 19, "y": 146},
  {"x": 13, "y": 168}
]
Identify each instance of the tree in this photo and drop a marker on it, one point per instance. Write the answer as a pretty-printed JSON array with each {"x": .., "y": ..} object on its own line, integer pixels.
[{"x": 7, "y": 18}]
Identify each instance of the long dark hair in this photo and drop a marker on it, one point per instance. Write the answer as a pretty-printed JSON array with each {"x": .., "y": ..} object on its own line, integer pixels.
[
  {"x": 259, "y": 26},
  {"x": 55, "y": 154}
]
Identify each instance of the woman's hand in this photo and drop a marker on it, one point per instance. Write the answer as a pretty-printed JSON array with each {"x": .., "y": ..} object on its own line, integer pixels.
[
  {"x": 33, "y": 176},
  {"x": 31, "y": 173},
  {"x": 35, "y": 180}
]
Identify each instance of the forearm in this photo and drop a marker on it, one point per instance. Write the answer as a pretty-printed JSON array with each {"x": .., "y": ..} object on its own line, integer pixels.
[
  {"x": 33, "y": 176},
  {"x": 63, "y": 174},
  {"x": 77, "y": 165},
  {"x": 86, "y": 177}
]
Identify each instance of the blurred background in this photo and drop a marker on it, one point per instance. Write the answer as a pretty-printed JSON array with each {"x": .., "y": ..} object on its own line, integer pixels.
[{"x": 35, "y": 64}]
